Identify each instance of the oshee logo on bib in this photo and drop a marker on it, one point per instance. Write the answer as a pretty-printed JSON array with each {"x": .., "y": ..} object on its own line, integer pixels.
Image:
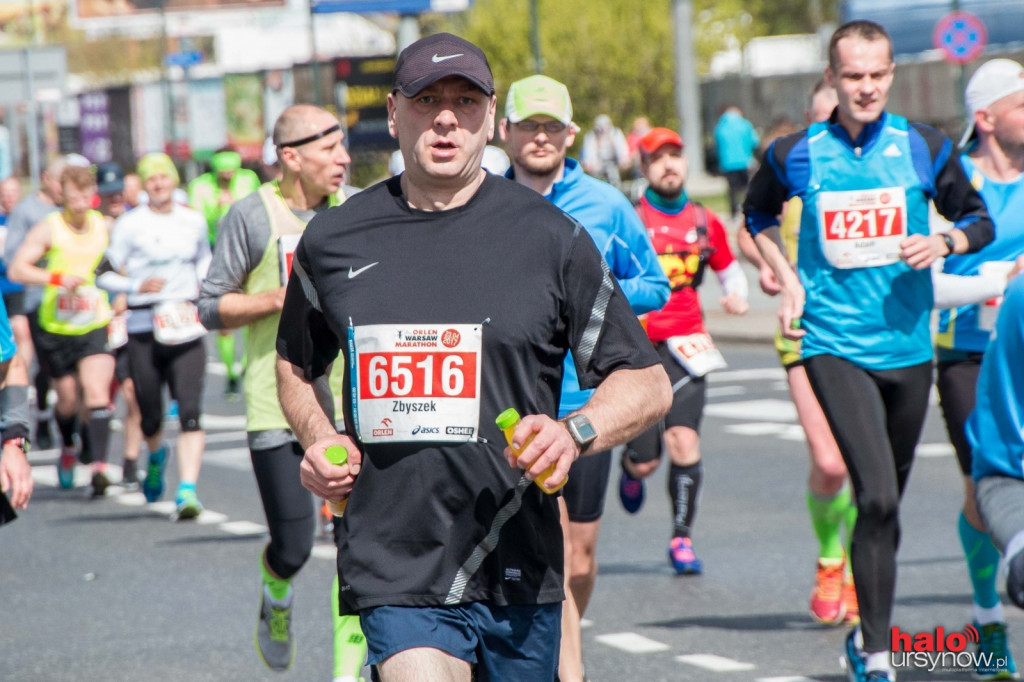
[{"x": 416, "y": 382}]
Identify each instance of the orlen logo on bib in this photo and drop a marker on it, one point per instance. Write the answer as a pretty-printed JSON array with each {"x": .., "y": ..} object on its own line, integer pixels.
[
  {"x": 450, "y": 338},
  {"x": 387, "y": 430}
]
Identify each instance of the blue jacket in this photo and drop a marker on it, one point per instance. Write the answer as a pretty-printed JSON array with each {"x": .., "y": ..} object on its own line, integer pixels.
[
  {"x": 736, "y": 140},
  {"x": 620, "y": 236}
]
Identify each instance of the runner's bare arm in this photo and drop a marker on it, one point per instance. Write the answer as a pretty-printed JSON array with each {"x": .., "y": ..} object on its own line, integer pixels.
[
  {"x": 791, "y": 307},
  {"x": 23, "y": 266},
  {"x": 307, "y": 409},
  {"x": 625, "y": 404},
  {"x": 238, "y": 309}
]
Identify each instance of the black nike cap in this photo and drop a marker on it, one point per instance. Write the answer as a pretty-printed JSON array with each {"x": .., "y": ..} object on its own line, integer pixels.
[{"x": 438, "y": 56}]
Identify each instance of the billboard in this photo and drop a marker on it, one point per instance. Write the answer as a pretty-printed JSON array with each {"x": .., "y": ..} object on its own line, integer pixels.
[
  {"x": 92, "y": 9},
  {"x": 363, "y": 84}
]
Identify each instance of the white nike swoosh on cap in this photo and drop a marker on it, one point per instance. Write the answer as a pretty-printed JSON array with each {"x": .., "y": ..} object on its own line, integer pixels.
[
  {"x": 437, "y": 59},
  {"x": 355, "y": 273}
]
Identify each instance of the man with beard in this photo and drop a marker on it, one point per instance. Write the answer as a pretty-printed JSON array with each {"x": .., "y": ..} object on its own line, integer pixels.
[
  {"x": 539, "y": 130},
  {"x": 688, "y": 238}
]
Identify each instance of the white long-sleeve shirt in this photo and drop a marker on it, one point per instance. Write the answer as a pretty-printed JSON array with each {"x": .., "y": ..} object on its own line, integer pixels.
[{"x": 144, "y": 244}]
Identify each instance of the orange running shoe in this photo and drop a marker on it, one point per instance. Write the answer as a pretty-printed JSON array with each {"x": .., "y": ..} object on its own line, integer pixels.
[
  {"x": 850, "y": 601},
  {"x": 827, "y": 605}
]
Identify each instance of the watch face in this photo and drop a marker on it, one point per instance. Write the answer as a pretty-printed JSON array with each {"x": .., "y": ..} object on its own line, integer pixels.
[{"x": 584, "y": 430}]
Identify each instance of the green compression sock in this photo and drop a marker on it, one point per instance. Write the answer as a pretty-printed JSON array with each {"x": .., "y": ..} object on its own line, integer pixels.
[
  {"x": 278, "y": 587},
  {"x": 826, "y": 517},
  {"x": 349, "y": 642},
  {"x": 226, "y": 348},
  {"x": 982, "y": 563},
  {"x": 849, "y": 523}
]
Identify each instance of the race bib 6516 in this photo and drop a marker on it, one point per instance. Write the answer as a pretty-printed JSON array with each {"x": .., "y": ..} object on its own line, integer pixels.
[{"x": 416, "y": 382}]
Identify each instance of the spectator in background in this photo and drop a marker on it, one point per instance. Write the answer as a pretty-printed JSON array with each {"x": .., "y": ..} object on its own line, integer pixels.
[
  {"x": 132, "y": 190},
  {"x": 605, "y": 153},
  {"x": 110, "y": 189},
  {"x": 641, "y": 126},
  {"x": 212, "y": 194},
  {"x": 6, "y": 159},
  {"x": 10, "y": 195},
  {"x": 735, "y": 142}
]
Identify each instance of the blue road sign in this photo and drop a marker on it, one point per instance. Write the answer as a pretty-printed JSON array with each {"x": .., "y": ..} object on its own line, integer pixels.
[{"x": 184, "y": 58}]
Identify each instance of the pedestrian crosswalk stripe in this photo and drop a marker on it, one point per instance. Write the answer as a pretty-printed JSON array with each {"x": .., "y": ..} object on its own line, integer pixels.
[
  {"x": 243, "y": 528},
  {"x": 211, "y": 518},
  {"x": 934, "y": 450},
  {"x": 767, "y": 409},
  {"x": 632, "y": 643},
  {"x": 760, "y": 374},
  {"x": 329, "y": 552},
  {"x": 721, "y": 391},
  {"x": 718, "y": 664}
]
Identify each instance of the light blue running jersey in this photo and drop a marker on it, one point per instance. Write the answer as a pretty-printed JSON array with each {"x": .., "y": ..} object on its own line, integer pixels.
[
  {"x": 995, "y": 429},
  {"x": 959, "y": 328},
  {"x": 876, "y": 317}
]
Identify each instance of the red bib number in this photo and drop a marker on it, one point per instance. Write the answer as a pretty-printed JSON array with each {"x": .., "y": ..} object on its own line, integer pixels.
[
  {"x": 863, "y": 228},
  {"x": 417, "y": 382}
]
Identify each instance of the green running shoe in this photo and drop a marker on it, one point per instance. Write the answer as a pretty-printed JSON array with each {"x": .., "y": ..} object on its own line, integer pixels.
[
  {"x": 188, "y": 503},
  {"x": 995, "y": 662},
  {"x": 274, "y": 641}
]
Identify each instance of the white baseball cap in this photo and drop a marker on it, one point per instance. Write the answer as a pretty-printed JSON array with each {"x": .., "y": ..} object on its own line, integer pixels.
[{"x": 993, "y": 81}]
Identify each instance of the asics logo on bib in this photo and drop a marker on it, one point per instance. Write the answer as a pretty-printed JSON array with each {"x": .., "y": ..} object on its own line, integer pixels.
[
  {"x": 425, "y": 429},
  {"x": 438, "y": 60},
  {"x": 355, "y": 273}
]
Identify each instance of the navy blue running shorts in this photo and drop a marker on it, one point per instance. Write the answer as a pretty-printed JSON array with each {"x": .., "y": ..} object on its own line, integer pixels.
[{"x": 504, "y": 642}]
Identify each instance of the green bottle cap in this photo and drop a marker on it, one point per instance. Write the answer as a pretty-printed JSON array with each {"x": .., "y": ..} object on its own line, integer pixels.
[
  {"x": 507, "y": 418},
  {"x": 336, "y": 454}
]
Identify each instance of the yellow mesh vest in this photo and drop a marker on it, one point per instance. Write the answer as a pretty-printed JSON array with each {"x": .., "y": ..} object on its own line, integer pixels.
[
  {"x": 263, "y": 411},
  {"x": 75, "y": 253}
]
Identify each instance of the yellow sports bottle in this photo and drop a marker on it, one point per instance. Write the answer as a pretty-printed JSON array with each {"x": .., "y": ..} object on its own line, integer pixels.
[
  {"x": 507, "y": 421},
  {"x": 337, "y": 454}
]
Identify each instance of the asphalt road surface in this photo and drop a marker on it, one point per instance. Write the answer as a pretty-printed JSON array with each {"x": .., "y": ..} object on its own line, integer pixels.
[{"x": 112, "y": 589}]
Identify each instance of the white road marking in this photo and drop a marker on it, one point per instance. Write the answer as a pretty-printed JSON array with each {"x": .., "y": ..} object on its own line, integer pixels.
[
  {"x": 586, "y": 623},
  {"x": 718, "y": 664},
  {"x": 761, "y": 374},
  {"x": 243, "y": 528},
  {"x": 934, "y": 450},
  {"x": 223, "y": 422},
  {"x": 758, "y": 429},
  {"x": 766, "y": 409},
  {"x": 720, "y": 391},
  {"x": 328, "y": 552},
  {"x": 632, "y": 643},
  {"x": 796, "y": 678},
  {"x": 131, "y": 499},
  {"x": 230, "y": 458},
  {"x": 211, "y": 518},
  {"x": 225, "y": 437}
]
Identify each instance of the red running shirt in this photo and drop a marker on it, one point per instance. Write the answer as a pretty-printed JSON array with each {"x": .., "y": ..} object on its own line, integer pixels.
[{"x": 678, "y": 247}]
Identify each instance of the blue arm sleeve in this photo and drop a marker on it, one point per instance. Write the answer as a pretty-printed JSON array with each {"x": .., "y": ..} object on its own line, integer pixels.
[{"x": 635, "y": 264}]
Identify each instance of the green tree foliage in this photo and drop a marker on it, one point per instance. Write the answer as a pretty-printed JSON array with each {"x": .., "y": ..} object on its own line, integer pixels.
[{"x": 617, "y": 56}]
